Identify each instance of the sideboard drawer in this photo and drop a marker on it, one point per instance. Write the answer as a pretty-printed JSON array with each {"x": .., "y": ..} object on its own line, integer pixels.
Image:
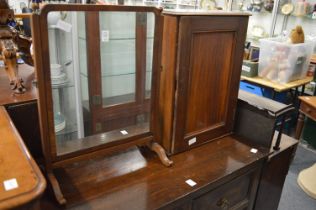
[
  {"x": 308, "y": 110},
  {"x": 234, "y": 194}
]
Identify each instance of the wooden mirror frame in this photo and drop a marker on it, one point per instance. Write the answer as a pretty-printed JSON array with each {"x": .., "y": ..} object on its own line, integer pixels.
[{"x": 45, "y": 101}]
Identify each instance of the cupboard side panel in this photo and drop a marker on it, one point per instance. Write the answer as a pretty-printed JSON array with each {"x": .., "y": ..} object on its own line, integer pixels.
[{"x": 167, "y": 81}]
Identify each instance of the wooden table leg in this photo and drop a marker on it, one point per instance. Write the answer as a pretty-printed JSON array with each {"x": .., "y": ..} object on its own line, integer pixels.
[{"x": 299, "y": 126}]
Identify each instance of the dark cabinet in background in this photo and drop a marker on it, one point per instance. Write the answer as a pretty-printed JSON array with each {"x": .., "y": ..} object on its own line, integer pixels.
[{"x": 201, "y": 64}]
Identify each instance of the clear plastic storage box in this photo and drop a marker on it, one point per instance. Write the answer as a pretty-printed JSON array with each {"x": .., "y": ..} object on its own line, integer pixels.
[{"x": 282, "y": 62}]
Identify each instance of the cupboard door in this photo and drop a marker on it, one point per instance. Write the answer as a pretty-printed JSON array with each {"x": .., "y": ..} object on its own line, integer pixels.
[{"x": 209, "y": 66}]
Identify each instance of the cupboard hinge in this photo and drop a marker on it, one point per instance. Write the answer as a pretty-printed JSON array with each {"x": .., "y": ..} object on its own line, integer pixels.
[
  {"x": 96, "y": 100},
  {"x": 98, "y": 127}
]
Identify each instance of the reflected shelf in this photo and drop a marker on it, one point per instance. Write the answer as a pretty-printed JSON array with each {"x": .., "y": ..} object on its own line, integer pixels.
[
  {"x": 66, "y": 84},
  {"x": 308, "y": 16},
  {"x": 120, "y": 99},
  {"x": 116, "y": 75},
  {"x": 117, "y": 39},
  {"x": 262, "y": 12},
  {"x": 71, "y": 127}
]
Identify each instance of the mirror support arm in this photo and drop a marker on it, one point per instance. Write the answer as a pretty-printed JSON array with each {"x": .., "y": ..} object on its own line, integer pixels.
[
  {"x": 159, "y": 150},
  {"x": 56, "y": 188}
]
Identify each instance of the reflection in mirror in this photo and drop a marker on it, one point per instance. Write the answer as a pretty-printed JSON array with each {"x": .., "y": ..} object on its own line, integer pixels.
[{"x": 101, "y": 72}]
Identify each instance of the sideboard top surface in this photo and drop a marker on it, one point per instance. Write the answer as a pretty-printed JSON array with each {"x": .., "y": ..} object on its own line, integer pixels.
[{"x": 142, "y": 182}]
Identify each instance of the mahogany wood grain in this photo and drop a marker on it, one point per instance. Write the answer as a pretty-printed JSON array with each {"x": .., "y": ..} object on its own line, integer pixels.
[
  {"x": 131, "y": 180},
  {"x": 152, "y": 175},
  {"x": 168, "y": 81},
  {"x": 235, "y": 194},
  {"x": 16, "y": 163},
  {"x": 274, "y": 173},
  {"x": 217, "y": 65},
  {"x": 140, "y": 56},
  {"x": 155, "y": 83},
  {"x": 161, "y": 153},
  {"x": 94, "y": 65},
  {"x": 45, "y": 106},
  {"x": 209, "y": 79}
]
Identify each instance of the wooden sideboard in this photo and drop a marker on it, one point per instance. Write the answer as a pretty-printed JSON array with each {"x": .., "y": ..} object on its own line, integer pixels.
[
  {"x": 274, "y": 173},
  {"x": 225, "y": 171},
  {"x": 213, "y": 168},
  {"x": 136, "y": 179}
]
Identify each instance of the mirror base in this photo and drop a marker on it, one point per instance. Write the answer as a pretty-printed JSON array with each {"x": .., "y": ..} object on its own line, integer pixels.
[{"x": 159, "y": 150}]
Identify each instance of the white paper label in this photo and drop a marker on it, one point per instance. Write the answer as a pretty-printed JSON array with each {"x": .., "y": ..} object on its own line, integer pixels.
[
  {"x": 124, "y": 132},
  {"x": 192, "y": 141},
  {"x": 253, "y": 150},
  {"x": 245, "y": 68},
  {"x": 62, "y": 25},
  {"x": 10, "y": 184},
  {"x": 105, "y": 36},
  {"x": 190, "y": 182}
]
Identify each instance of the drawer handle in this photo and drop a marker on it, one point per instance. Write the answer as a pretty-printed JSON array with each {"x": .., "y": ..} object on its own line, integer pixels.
[{"x": 223, "y": 203}]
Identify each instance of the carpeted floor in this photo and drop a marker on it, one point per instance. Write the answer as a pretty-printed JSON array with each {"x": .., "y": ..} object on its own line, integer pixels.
[{"x": 293, "y": 197}]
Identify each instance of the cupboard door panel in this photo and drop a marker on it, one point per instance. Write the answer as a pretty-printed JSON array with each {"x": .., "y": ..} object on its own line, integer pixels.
[
  {"x": 206, "y": 105},
  {"x": 209, "y": 63}
]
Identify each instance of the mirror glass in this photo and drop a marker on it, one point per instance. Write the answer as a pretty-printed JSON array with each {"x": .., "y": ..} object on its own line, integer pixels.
[{"x": 101, "y": 76}]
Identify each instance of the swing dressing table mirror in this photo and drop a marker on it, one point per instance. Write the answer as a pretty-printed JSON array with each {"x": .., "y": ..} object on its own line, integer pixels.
[{"x": 98, "y": 76}]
